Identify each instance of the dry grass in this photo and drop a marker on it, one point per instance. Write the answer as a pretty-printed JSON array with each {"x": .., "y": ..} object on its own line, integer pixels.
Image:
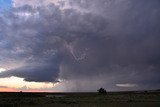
[{"x": 80, "y": 99}]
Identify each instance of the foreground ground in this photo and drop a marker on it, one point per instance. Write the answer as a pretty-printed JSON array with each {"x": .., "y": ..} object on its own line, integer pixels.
[{"x": 112, "y": 99}]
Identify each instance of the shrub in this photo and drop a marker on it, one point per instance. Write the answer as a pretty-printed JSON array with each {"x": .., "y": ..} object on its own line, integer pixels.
[{"x": 102, "y": 91}]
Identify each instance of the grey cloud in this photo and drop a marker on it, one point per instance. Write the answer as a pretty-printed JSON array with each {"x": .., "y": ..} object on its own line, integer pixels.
[
  {"x": 3, "y": 87},
  {"x": 94, "y": 44}
]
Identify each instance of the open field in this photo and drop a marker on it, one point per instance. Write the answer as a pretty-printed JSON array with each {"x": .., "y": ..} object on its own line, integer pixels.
[{"x": 111, "y": 99}]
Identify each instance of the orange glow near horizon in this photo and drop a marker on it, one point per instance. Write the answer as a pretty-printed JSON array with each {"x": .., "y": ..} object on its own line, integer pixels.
[
  {"x": 18, "y": 83},
  {"x": 30, "y": 90},
  {"x": 8, "y": 90}
]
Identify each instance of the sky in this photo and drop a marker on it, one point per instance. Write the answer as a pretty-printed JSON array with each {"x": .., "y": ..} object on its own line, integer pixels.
[
  {"x": 79, "y": 45},
  {"x": 5, "y": 4}
]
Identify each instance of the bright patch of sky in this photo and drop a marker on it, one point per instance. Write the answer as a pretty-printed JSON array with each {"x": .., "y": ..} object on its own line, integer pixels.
[
  {"x": 2, "y": 70},
  {"x": 16, "y": 83},
  {"x": 5, "y": 4}
]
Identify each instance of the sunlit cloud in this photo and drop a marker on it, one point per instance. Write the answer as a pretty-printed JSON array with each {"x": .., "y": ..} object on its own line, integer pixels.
[
  {"x": 2, "y": 70},
  {"x": 35, "y": 3},
  {"x": 128, "y": 85}
]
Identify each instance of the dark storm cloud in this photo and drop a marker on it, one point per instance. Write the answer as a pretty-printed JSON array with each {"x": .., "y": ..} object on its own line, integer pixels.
[
  {"x": 41, "y": 40},
  {"x": 92, "y": 44}
]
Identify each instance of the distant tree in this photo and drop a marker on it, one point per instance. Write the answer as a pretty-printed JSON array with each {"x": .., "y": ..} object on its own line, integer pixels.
[{"x": 102, "y": 91}]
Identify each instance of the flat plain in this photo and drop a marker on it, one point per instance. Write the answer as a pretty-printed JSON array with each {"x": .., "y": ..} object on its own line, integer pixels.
[{"x": 110, "y": 99}]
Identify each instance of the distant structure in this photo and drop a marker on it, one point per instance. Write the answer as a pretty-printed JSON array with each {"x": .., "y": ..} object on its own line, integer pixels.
[{"x": 102, "y": 91}]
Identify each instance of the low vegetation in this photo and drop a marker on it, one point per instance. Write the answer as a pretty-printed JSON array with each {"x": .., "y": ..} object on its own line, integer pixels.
[{"x": 111, "y": 99}]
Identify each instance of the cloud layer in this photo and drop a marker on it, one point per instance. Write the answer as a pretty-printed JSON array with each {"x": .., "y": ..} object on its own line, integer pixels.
[{"x": 87, "y": 45}]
